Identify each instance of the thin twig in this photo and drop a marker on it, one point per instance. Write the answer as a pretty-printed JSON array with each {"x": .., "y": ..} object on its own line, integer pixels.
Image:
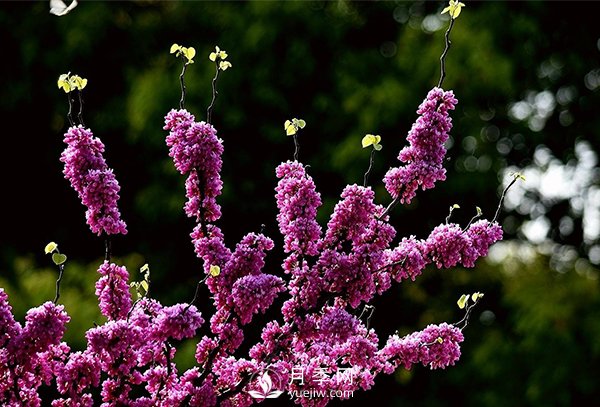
[
  {"x": 61, "y": 268},
  {"x": 473, "y": 219},
  {"x": 196, "y": 294},
  {"x": 465, "y": 319},
  {"x": 502, "y": 198},
  {"x": 168, "y": 356},
  {"x": 214, "y": 94},
  {"x": 443, "y": 57},
  {"x": 182, "y": 82},
  {"x": 449, "y": 215},
  {"x": 70, "y": 112},
  {"x": 371, "y": 310},
  {"x": 391, "y": 206},
  {"x": 107, "y": 249},
  {"x": 371, "y": 160},
  {"x": 80, "y": 114},
  {"x": 296, "y": 147},
  {"x": 200, "y": 218},
  {"x": 212, "y": 355}
]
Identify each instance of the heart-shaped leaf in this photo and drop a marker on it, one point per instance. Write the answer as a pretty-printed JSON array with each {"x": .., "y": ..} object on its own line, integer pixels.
[{"x": 59, "y": 258}]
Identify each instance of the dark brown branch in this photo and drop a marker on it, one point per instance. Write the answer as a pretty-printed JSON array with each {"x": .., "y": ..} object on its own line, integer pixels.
[
  {"x": 80, "y": 114},
  {"x": 61, "y": 268},
  {"x": 70, "y": 112},
  {"x": 182, "y": 82},
  {"x": 502, "y": 198},
  {"x": 210, "y": 108},
  {"x": 107, "y": 248},
  {"x": 465, "y": 320},
  {"x": 371, "y": 160},
  {"x": 445, "y": 53}
]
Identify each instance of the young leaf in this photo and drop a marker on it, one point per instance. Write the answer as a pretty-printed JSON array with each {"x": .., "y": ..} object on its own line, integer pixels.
[
  {"x": 58, "y": 258},
  {"x": 215, "y": 271},
  {"x": 224, "y": 65},
  {"x": 462, "y": 301},
  {"x": 50, "y": 247}
]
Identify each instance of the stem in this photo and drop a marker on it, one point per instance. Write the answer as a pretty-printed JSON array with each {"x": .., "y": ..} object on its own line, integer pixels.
[
  {"x": 371, "y": 310},
  {"x": 80, "y": 114},
  {"x": 391, "y": 206},
  {"x": 16, "y": 389},
  {"x": 212, "y": 355},
  {"x": 296, "y": 147},
  {"x": 136, "y": 302},
  {"x": 396, "y": 263},
  {"x": 196, "y": 293},
  {"x": 214, "y": 93},
  {"x": 61, "y": 268},
  {"x": 473, "y": 219},
  {"x": 181, "y": 81},
  {"x": 502, "y": 198},
  {"x": 107, "y": 249},
  {"x": 200, "y": 214},
  {"x": 465, "y": 319},
  {"x": 445, "y": 53},
  {"x": 70, "y": 112},
  {"x": 371, "y": 160},
  {"x": 168, "y": 356}
]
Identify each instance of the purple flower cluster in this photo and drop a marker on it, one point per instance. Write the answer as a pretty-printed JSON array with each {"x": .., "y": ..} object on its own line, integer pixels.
[
  {"x": 437, "y": 346},
  {"x": 298, "y": 202},
  {"x": 94, "y": 182},
  {"x": 425, "y": 154},
  {"x": 196, "y": 152},
  {"x": 28, "y": 354},
  {"x": 112, "y": 290},
  {"x": 255, "y": 293}
]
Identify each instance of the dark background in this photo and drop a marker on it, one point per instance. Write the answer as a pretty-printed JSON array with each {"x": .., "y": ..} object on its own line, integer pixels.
[{"x": 347, "y": 68}]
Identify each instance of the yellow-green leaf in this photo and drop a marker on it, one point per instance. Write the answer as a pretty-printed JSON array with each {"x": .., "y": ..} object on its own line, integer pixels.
[
  {"x": 59, "y": 258},
  {"x": 301, "y": 123},
  {"x": 144, "y": 285},
  {"x": 175, "y": 48},
  {"x": 213, "y": 56},
  {"x": 370, "y": 140},
  {"x": 479, "y": 211},
  {"x": 64, "y": 82},
  {"x": 377, "y": 147},
  {"x": 77, "y": 82},
  {"x": 190, "y": 53},
  {"x": 215, "y": 270},
  {"x": 454, "y": 8},
  {"x": 290, "y": 131},
  {"x": 462, "y": 301},
  {"x": 439, "y": 339},
  {"x": 50, "y": 247},
  {"x": 476, "y": 296},
  {"x": 287, "y": 124},
  {"x": 456, "y": 206},
  {"x": 223, "y": 65}
]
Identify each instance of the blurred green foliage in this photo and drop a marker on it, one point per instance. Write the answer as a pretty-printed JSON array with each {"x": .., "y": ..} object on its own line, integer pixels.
[{"x": 347, "y": 68}]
